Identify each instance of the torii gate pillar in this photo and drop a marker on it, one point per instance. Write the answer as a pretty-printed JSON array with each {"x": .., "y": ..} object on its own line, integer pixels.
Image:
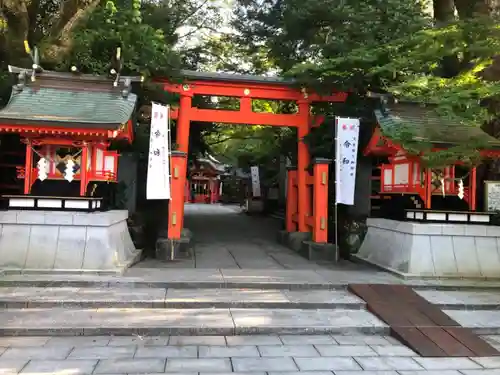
[
  {"x": 303, "y": 161},
  {"x": 179, "y": 167}
]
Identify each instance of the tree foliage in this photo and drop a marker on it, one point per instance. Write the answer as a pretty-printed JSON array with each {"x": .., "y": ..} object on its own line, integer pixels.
[{"x": 389, "y": 47}]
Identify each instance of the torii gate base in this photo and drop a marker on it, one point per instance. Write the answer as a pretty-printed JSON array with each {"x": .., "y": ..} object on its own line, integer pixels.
[{"x": 306, "y": 221}]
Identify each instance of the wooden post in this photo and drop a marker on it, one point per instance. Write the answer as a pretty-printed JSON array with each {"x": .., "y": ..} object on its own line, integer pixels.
[
  {"x": 320, "y": 199},
  {"x": 304, "y": 198},
  {"x": 291, "y": 200},
  {"x": 83, "y": 170},
  {"x": 472, "y": 189},
  {"x": 178, "y": 163},
  {"x": 428, "y": 188},
  {"x": 28, "y": 165}
]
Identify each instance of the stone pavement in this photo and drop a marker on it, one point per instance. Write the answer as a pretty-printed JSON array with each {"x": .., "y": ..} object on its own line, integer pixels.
[
  {"x": 225, "y": 237},
  {"x": 250, "y": 355}
]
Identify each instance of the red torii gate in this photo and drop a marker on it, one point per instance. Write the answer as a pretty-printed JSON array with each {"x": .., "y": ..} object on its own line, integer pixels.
[{"x": 302, "y": 215}]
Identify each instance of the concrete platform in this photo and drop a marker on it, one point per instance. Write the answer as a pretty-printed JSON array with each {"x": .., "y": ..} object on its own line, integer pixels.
[
  {"x": 68, "y": 242},
  {"x": 433, "y": 250}
]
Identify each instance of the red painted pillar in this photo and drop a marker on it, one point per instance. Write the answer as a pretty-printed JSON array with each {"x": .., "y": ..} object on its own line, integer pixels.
[
  {"x": 304, "y": 199},
  {"x": 182, "y": 141},
  {"x": 291, "y": 200},
  {"x": 83, "y": 170},
  {"x": 428, "y": 188},
  {"x": 178, "y": 163},
  {"x": 183, "y": 121},
  {"x": 28, "y": 167},
  {"x": 472, "y": 189},
  {"x": 320, "y": 200}
]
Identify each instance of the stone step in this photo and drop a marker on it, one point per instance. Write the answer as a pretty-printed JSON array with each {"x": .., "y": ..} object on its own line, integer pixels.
[
  {"x": 301, "y": 279},
  {"x": 462, "y": 299},
  {"x": 224, "y": 322},
  {"x": 150, "y": 322},
  {"x": 35, "y": 297}
]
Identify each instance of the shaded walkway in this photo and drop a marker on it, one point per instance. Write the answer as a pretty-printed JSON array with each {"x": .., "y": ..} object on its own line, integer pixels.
[{"x": 226, "y": 238}]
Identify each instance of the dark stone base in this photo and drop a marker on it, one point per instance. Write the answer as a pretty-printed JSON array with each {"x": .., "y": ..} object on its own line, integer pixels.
[
  {"x": 282, "y": 237},
  {"x": 295, "y": 240},
  {"x": 302, "y": 244},
  {"x": 171, "y": 249},
  {"x": 319, "y": 251},
  {"x": 254, "y": 207}
]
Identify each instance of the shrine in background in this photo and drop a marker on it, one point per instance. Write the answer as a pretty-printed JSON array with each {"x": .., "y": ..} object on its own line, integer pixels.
[{"x": 204, "y": 183}]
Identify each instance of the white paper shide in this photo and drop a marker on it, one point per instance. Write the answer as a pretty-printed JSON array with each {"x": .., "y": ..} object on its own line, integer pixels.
[
  {"x": 254, "y": 172},
  {"x": 158, "y": 180},
  {"x": 347, "y": 131}
]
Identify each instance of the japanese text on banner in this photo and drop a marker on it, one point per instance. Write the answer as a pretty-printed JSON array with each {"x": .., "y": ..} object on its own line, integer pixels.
[
  {"x": 158, "y": 179},
  {"x": 254, "y": 172},
  {"x": 346, "y": 150}
]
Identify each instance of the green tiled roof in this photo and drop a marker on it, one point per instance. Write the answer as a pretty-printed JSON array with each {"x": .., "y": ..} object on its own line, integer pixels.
[
  {"x": 423, "y": 123},
  {"x": 69, "y": 107}
]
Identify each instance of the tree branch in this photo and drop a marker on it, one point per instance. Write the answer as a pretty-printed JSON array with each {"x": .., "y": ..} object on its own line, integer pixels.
[
  {"x": 192, "y": 13},
  {"x": 63, "y": 30},
  {"x": 234, "y": 137}
]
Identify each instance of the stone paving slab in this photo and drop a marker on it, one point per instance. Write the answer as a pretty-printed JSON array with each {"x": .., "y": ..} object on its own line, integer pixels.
[
  {"x": 251, "y": 321},
  {"x": 267, "y": 298},
  {"x": 478, "y": 300},
  {"x": 262, "y": 355},
  {"x": 486, "y": 322},
  {"x": 19, "y": 297},
  {"x": 127, "y": 321},
  {"x": 76, "y": 367},
  {"x": 55, "y": 321}
]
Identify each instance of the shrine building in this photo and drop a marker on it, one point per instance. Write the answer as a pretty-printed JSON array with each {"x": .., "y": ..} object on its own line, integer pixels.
[
  {"x": 204, "y": 182},
  {"x": 430, "y": 220},
  {"x": 57, "y": 214}
]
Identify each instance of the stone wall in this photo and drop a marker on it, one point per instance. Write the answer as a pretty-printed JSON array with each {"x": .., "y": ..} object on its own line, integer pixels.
[
  {"x": 437, "y": 250},
  {"x": 65, "y": 241}
]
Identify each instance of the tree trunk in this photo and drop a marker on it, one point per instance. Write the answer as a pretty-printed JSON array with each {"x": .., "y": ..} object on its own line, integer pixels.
[
  {"x": 444, "y": 13},
  {"x": 470, "y": 8}
]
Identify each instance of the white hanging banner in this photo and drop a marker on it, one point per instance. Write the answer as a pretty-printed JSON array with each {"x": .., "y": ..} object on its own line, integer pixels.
[
  {"x": 254, "y": 172},
  {"x": 346, "y": 150},
  {"x": 158, "y": 180}
]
